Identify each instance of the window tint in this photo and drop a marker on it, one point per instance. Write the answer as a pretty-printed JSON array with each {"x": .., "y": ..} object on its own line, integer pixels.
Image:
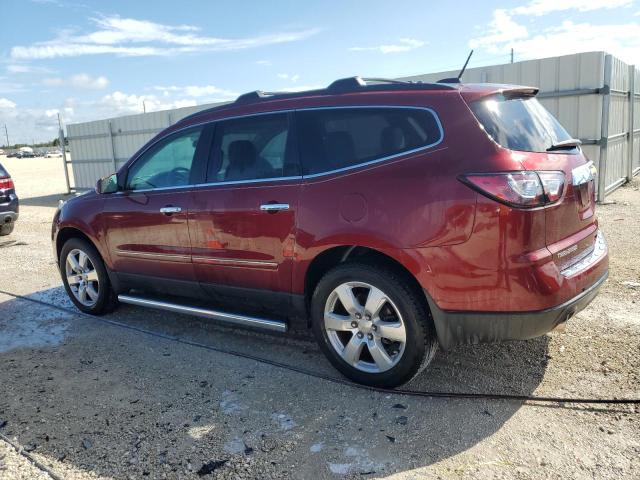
[
  {"x": 251, "y": 148},
  {"x": 519, "y": 123},
  {"x": 167, "y": 164},
  {"x": 342, "y": 137}
]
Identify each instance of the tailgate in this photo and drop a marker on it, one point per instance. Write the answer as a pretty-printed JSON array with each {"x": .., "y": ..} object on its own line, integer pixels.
[{"x": 571, "y": 223}]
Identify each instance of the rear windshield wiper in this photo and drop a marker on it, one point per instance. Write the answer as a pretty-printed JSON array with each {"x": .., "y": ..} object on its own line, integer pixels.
[{"x": 565, "y": 145}]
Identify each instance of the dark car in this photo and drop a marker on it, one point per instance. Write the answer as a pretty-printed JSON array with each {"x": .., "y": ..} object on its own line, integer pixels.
[
  {"x": 389, "y": 217},
  {"x": 8, "y": 203}
]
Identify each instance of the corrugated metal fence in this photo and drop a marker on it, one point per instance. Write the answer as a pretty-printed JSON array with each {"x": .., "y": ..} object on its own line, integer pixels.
[{"x": 594, "y": 95}]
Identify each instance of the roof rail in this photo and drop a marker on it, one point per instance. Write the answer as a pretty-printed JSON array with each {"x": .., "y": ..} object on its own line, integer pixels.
[{"x": 342, "y": 85}]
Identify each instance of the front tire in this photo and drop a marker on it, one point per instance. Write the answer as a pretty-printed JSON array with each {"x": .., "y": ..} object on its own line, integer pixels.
[
  {"x": 85, "y": 277},
  {"x": 372, "y": 325}
]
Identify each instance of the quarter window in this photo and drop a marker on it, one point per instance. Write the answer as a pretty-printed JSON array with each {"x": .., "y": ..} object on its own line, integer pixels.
[
  {"x": 166, "y": 164},
  {"x": 252, "y": 148},
  {"x": 331, "y": 139}
]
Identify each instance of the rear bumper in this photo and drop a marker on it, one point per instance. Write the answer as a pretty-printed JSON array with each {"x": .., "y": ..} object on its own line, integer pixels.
[
  {"x": 454, "y": 328},
  {"x": 8, "y": 217}
]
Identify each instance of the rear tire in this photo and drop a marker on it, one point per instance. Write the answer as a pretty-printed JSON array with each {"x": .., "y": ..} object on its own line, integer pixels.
[
  {"x": 385, "y": 337},
  {"x": 6, "y": 229},
  {"x": 85, "y": 278}
]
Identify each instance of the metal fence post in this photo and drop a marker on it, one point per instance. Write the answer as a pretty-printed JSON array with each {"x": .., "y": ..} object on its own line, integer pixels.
[
  {"x": 604, "y": 128},
  {"x": 64, "y": 157},
  {"x": 632, "y": 101},
  {"x": 113, "y": 150}
]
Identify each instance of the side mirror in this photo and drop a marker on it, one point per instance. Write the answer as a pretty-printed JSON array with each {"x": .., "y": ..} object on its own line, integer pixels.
[{"x": 107, "y": 184}]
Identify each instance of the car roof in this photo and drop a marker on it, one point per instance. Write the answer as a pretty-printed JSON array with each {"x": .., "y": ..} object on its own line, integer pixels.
[{"x": 352, "y": 85}]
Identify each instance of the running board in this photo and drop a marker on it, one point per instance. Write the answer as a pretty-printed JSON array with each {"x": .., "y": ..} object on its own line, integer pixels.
[{"x": 230, "y": 318}]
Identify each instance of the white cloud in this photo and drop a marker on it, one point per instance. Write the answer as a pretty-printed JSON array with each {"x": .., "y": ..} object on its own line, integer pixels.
[
  {"x": 119, "y": 103},
  {"x": 20, "y": 68},
  {"x": 197, "y": 91},
  {"x": 6, "y": 104},
  {"x": 81, "y": 80},
  {"x": 132, "y": 37},
  {"x": 403, "y": 45},
  {"x": 501, "y": 33},
  {"x": 543, "y": 7},
  {"x": 264, "y": 63},
  {"x": 286, "y": 76},
  {"x": 622, "y": 40}
]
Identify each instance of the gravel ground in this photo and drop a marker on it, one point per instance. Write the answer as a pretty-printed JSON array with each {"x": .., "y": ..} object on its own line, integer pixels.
[{"x": 92, "y": 399}]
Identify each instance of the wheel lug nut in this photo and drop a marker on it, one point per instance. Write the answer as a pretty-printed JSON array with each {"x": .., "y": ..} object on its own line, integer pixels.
[
  {"x": 370, "y": 336},
  {"x": 374, "y": 328},
  {"x": 367, "y": 318},
  {"x": 354, "y": 324},
  {"x": 359, "y": 335},
  {"x": 358, "y": 316}
]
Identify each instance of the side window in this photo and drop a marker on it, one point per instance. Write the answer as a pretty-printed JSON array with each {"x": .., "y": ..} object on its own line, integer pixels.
[
  {"x": 251, "y": 148},
  {"x": 331, "y": 139},
  {"x": 166, "y": 164}
]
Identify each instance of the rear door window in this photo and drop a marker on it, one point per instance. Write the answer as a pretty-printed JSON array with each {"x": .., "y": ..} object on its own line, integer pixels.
[
  {"x": 252, "y": 148},
  {"x": 519, "y": 123},
  {"x": 336, "y": 138}
]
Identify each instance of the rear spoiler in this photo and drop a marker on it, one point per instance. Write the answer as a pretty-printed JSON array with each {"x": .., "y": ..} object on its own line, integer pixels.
[{"x": 507, "y": 91}]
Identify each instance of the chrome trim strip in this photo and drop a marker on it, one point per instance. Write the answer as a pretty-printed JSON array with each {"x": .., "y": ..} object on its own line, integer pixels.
[
  {"x": 239, "y": 182},
  {"x": 598, "y": 251},
  {"x": 231, "y": 318},
  {"x": 171, "y": 257},
  {"x": 234, "y": 262},
  {"x": 345, "y": 107}
]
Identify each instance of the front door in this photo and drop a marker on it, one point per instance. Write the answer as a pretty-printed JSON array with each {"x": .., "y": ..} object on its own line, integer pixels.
[
  {"x": 243, "y": 221},
  {"x": 147, "y": 223}
]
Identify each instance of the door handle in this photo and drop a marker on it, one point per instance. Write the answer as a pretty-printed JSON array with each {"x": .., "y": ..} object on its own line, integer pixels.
[
  {"x": 274, "y": 207},
  {"x": 169, "y": 210}
]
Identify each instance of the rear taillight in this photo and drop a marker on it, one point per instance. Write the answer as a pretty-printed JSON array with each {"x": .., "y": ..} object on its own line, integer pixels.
[
  {"x": 525, "y": 189},
  {"x": 5, "y": 183}
]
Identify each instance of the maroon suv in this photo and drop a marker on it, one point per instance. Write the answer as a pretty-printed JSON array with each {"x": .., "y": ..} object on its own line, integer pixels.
[{"x": 389, "y": 217}]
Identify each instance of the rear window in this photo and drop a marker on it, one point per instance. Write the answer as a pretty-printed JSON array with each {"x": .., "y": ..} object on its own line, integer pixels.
[
  {"x": 519, "y": 123},
  {"x": 3, "y": 172},
  {"x": 336, "y": 138}
]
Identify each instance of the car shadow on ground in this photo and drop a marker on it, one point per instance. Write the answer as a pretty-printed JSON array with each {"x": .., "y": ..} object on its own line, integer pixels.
[
  {"x": 84, "y": 394},
  {"x": 45, "y": 200}
]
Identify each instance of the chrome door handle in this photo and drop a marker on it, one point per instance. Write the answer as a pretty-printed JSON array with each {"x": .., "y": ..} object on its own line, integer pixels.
[
  {"x": 274, "y": 207},
  {"x": 168, "y": 210}
]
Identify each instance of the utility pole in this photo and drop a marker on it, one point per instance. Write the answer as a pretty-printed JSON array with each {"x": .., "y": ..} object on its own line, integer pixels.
[
  {"x": 6, "y": 134},
  {"x": 144, "y": 107},
  {"x": 512, "y": 55},
  {"x": 64, "y": 153}
]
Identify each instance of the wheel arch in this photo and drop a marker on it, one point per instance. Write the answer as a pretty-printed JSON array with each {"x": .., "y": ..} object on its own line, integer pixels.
[
  {"x": 68, "y": 232},
  {"x": 331, "y": 257}
]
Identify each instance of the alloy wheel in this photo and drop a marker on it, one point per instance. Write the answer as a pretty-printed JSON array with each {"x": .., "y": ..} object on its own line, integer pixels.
[
  {"x": 364, "y": 327},
  {"x": 82, "y": 277}
]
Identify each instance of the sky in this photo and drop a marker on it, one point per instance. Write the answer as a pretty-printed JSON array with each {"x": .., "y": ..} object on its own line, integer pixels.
[{"x": 90, "y": 60}]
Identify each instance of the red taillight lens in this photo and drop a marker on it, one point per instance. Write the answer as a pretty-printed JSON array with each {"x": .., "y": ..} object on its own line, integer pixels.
[
  {"x": 526, "y": 189},
  {"x": 5, "y": 183}
]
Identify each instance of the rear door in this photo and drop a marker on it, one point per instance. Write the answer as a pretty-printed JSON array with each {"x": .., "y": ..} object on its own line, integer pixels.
[
  {"x": 147, "y": 224},
  {"x": 243, "y": 221}
]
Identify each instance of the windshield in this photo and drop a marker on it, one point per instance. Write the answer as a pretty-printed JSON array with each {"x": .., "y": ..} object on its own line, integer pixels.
[{"x": 520, "y": 123}]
